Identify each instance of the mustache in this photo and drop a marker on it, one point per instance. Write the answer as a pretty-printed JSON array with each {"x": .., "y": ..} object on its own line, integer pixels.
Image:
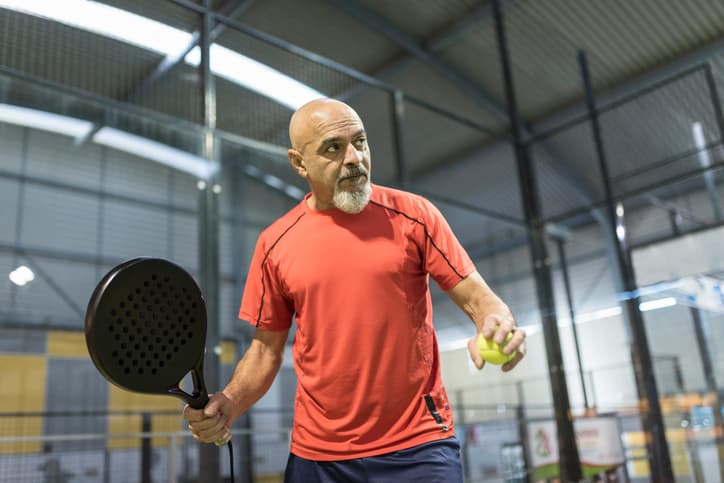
[{"x": 353, "y": 173}]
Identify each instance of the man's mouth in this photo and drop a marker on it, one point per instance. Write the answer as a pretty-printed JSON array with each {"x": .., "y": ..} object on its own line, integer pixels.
[{"x": 355, "y": 176}]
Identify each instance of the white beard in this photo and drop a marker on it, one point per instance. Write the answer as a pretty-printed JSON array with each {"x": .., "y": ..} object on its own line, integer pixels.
[{"x": 352, "y": 202}]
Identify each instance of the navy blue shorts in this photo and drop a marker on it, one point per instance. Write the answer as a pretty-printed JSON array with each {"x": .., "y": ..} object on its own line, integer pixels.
[{"x": 434, "y": 462}]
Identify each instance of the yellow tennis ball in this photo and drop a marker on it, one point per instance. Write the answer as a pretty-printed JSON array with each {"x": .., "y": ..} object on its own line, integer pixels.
[{"x": 492, "y": 352}]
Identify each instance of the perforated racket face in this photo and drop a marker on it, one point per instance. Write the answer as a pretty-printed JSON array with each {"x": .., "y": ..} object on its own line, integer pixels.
[{"x": 146, "y": 326}]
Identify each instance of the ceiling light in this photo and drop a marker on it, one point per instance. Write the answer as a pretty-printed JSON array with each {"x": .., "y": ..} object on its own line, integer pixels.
[
  {"x": 256, "y": 76},
  {"x": 44, "y": 121},
  {"x": 109, "y": 21},
  {"x": 21, "y": 276},
  {"x": 619, "y": 209},
  {"x": 145, "y": 148},
  {"x": 697, "y": 131},
  {"x": 156, "y": 36},
  {"x": 621, "y": 232},
  {"x": 657, "y": 304}
]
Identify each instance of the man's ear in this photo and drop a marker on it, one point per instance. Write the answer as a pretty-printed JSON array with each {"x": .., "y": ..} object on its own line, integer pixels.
[{"x": 297, "y": 162}]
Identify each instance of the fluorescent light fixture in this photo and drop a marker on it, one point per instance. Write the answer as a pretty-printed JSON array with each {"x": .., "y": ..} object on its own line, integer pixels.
[
  {"x": 108, "y": 21},
  {"x": 657, "y": 304},
  {"x": 21, "y": 276},
  {"x": 461, "y": 343},
  {"x": 152, "y": 35},
  {"x": 619, "y": 209},
  {"x": 274, "y": 182},
  {"x": 700, "y": 142},
  {"x": 145, "y": 148},
  {"x": 598, "y": 314},
  {"x": 256, "y": 76},
  {"x": 44, "y": 121},
  {"x": 294, "y": 192},
  {"x": 621, "y": 232}
]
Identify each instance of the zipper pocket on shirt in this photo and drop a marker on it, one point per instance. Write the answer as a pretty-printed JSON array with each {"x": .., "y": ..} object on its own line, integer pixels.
[{"x": 433, "y": 410}]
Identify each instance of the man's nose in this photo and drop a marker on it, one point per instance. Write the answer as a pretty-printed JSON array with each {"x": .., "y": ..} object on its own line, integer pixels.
[{"x": 353, "y": 156}]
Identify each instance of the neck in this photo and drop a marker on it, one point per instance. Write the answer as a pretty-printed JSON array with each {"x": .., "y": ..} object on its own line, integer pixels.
[{"x": 318, "y": 205}]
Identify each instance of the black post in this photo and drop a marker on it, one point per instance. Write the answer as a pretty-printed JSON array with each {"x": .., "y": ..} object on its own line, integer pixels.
[
  {"x": 523, "y": 428},
  {"x": 652, "y": 418},
  {"x": 398, "y": 137},
  {"x": 715, "y": 100},
  {"x": 709, "y": 178},
  {"x": 701, "y": 331},
  {"x": 572, "y": 313},
  {"x": 570, "y": 468},
  {"x": 146, "y": 448},
  {"x": 209, "y": 240},
  {"x": 244, "y": 457},
  {"x": 674, "y": 220},
  {"x": 462, "y": 423}
]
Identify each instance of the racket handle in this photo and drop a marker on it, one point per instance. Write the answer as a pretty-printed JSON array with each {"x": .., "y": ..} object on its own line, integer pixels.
[{"x": 199, "y": 401}]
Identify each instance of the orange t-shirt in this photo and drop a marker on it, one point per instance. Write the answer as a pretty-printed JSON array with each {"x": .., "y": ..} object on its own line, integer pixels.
[{"x": 365, "y": 352}]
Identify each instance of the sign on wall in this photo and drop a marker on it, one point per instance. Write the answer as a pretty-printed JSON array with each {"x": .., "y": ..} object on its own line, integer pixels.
[{"x": 598, "y": 440}]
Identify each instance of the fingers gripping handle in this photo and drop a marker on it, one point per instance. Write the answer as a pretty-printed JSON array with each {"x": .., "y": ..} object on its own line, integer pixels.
[{"x": 224, "y": 440}]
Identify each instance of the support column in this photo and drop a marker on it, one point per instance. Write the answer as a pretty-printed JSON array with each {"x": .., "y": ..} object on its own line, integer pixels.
[
  {"x": 209, "y": 239},
  {"x": 653, "y": 422},
  {"x": 560, "y": 243},
  {"x": 701, "y": 330},
  {"x": 398, "y": 138},
  {"x": 570, "y": 468},
  {"x": 243, "y": 444}
]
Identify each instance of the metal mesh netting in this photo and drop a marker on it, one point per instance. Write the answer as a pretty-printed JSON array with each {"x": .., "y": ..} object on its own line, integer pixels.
[{"x": 648, "y": 140}]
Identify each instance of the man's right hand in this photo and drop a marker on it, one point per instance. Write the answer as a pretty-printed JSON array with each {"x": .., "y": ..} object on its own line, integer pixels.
[{"x": 212, "y": 424}]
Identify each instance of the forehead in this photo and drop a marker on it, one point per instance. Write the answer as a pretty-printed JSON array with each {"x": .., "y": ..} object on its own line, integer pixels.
[{"x": 334, "y": 122}]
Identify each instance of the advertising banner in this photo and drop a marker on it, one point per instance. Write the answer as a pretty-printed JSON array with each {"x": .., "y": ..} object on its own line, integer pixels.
[{"x": 598, "y": 440}]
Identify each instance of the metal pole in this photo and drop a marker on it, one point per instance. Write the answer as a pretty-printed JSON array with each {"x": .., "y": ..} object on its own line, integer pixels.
[
  {"x": 569, "y": 464},
  {"x": 715, "y": 100},
  {"x": 146, "y": 448},
  {"x": 461, "y": 423},
  {"x": 592, "y": 389},
  {"x": 522, "y": 428},
  {"x": 719, "y": 115},
  {"x": 674, "y": 220},
  {"x": 172, "y": 447},
  {"x": 398, "y": 137},
  {"x": 569, "y": 297},
  {"x": 701, "y": 331},
  {"x": 697, "y": 130},
  {"x": 209, "y": 240},
  {"x": 652, "y": 419},
  {"x": 244, "y": 457}
]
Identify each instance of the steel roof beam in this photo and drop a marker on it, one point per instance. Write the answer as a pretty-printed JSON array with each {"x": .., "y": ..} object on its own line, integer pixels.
[
  {"x": 374, "y": 21},
  {"x": 231, "y": 9}
]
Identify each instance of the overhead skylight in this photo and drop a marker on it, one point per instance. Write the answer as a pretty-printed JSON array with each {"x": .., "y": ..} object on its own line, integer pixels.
[
  {"x": 255, "y": 76},
  {"x": 44, "y": 121},
  {"x": 162, "y": 153},
  {"x": 107, "y": 21},
  {"x": 164, "y": 39}
]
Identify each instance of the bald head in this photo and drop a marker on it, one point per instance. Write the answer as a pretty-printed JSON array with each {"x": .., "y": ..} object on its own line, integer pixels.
[{"x": 310, "y": 119}]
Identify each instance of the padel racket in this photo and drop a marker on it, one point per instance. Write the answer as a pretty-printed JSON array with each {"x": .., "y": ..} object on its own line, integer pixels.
[{"x": 145, "y": 329}]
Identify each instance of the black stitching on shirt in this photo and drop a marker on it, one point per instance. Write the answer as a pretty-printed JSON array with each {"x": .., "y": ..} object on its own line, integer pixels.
[
  {"x": 263, "y": 261},
  {"x": 427, "y": 234}
]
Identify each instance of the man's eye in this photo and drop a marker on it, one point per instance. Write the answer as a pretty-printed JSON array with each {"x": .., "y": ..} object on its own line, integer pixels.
[
  {"x": 333, "y": 148},
  {"x": 361, "y": 142}
]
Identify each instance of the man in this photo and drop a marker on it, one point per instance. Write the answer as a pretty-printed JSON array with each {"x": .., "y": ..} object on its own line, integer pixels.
[{"x": 351, "y": 261}]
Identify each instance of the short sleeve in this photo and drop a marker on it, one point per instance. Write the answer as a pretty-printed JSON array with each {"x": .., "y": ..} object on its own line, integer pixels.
[
  {"x": 264, "y": 303},
  {"x": 445, "y": 259}
]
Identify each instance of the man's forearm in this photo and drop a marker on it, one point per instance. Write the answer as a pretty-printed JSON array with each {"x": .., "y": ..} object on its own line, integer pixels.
[
  {"x": 477, "y": 300},
  {"x": 254, "y": 374}
]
